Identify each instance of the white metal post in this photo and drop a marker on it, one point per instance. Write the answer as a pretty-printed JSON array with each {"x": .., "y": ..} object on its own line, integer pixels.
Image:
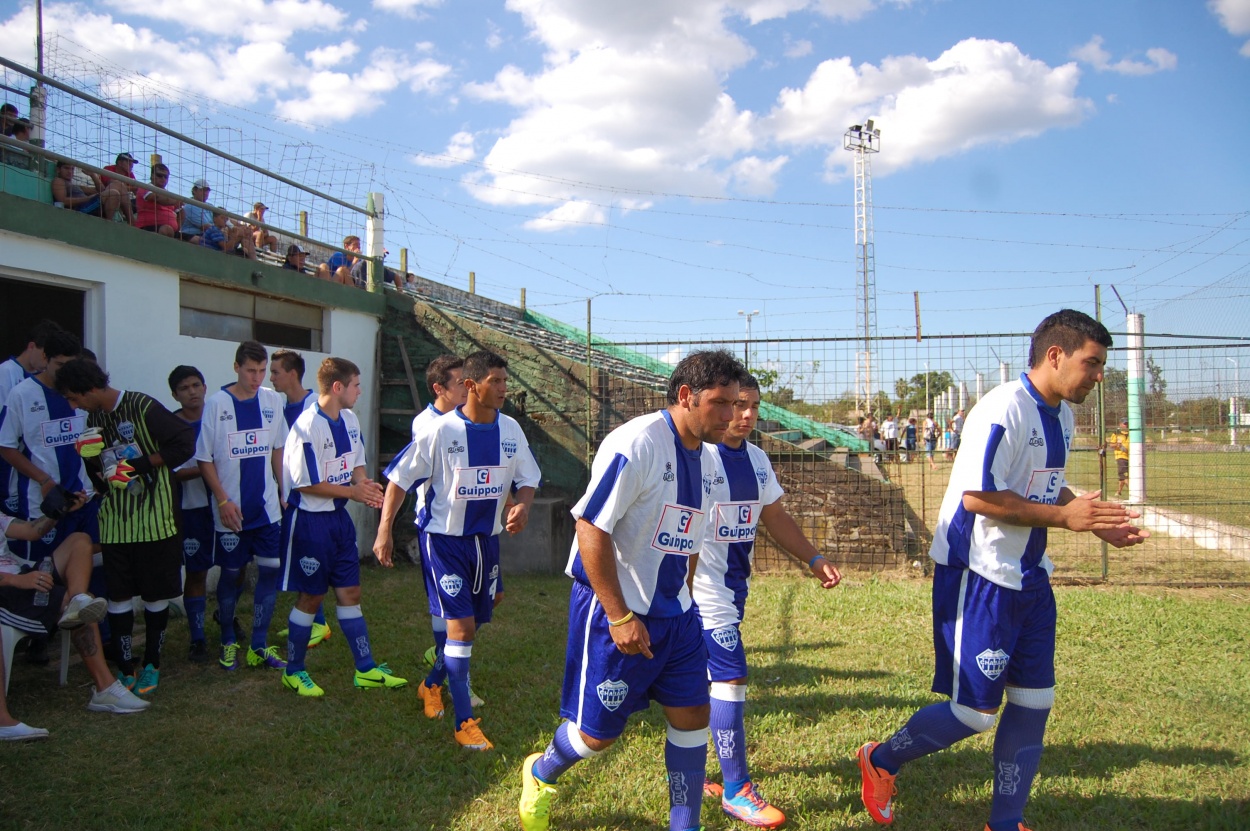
[{"x": 1136, "y": 411}]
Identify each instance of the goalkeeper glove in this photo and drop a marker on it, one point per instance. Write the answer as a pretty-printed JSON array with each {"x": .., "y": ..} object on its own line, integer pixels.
[{"x": 90, "y": 443}]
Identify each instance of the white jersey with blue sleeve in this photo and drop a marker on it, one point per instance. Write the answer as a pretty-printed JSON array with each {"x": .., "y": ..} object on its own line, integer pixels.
[
  {"x": 743, "y": 484},
  {"x": 194, "y": 491},
  {"x": 420, "y": 419},
  {"x": 1012, "y": 440},
  {"x": 320, "y": 449},
  {"x": 650, "y": 494},
  {"x": 464, "y": 472},
  {"x": 238, "y": 437},
  {"x": 41, "y": 424},
  {"x": 11, "y": 374}
]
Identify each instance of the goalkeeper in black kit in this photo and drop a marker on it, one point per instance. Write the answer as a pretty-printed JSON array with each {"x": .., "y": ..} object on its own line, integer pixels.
[{"x": 131, "y": 448}]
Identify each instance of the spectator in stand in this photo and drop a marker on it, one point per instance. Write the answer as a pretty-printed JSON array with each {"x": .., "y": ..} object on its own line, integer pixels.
[
  {"x": 196, "y": 220},
  {"x": 410, "y": 282},
  {"x": 66, "y": 193},
  {"x": 14, "y": 156},
  {"x": 295, "y": 258},
  {"x": 157, "y": 212},
  {"x": 341, "y": 268},
  {"x": 8, "y": 117},
  {"x": 236, "y": 239},
  {"x": 261, "y": 237},
  {"x": 123, "y": 166}
]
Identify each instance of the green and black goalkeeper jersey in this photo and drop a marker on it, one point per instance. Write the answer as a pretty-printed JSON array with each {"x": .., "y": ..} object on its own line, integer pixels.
[{"x": 142, "y": 514}]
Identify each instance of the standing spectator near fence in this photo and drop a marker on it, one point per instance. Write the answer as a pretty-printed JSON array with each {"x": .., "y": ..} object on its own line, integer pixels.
[
  {"x": 157, "y": 212},
  {"x": 889, "y": 434}
]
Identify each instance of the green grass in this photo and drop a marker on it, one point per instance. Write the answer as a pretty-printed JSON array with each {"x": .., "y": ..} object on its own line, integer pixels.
[{"x": 1150, "y": 730}]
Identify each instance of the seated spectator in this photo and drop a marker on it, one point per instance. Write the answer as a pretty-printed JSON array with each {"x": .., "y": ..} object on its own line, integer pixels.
[
  {"x": 196, "y": 220},
  {"x": 261, "y": 237},
  {"x": 410, "y": 282},
  {"x": 235, "y": 239},
  {"x": 341, "y": 267},
  {"x": 8, "y": 116},
  {"x": 15, "y": 156},
  {"x": 12, "y": 730},
  {"x": 66, "y": 193},
  {"x": 123, "y": 167},
  {"x": 295, "y": 258},
  {"x": 67, "y": 607},
  {"x": 154, "y": 211}
]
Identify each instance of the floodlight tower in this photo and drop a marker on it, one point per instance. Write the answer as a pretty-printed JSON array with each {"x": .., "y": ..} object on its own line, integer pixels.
[{"x": 864, "y": 140}]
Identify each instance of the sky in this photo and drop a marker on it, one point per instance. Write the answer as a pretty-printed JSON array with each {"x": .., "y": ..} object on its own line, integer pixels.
[{"x": 682, "y": 161}]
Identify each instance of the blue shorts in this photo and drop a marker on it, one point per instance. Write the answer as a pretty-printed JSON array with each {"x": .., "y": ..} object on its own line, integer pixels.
[
  {"x": 603, "y": 686},
  {"x": 234, "y": 551},
  {"x": 986, "y": 637},
  {"x": 726, "y": 659},
  {"x": 85, "y": 520},
  {"x": 463, "y": 573},
  {"x": 318, "y": 551},
  {"x": 197, "y": 539}
]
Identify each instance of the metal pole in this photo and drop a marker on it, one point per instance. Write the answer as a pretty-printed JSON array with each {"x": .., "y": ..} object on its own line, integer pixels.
[
  {"x": 1136, "y": 398},
  {"x": 589, "y": 399},
  {"x": 1234, "y": 407},
  {"x": 375, "y": 205},
  {"x": 1101, "y": 427}
]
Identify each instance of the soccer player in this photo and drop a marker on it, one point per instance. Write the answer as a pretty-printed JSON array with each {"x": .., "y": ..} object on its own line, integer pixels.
[
  {"x": 745, "y": 494},
  {"x": 142, "y": 443},
  {"x": 239, "y": 451},
  {"x": 12, "y": 372},
  {"x": 1119, "y": 443},
  {"x": 322, "y": 468},
  {"x": 286, "y": 373},
  {"x": 993, "y": 607},
  {"x": 186, "y": 384},
  {"x": 466, "y": 464},
  {"x": 633, "y": 634}
]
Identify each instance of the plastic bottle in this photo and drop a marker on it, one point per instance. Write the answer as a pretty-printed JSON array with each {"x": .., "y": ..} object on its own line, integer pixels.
[{"x": 45, "y": 567}]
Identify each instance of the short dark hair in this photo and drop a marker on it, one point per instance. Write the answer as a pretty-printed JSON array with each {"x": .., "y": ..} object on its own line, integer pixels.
[
  {"x": 160, "y": 167},
  {"x": 703, "y": 370},
  {"x": 1068, "y": 329},
  {"x": 61, "y": 343},
  {"x": 748, "y": 382},
  {"x": 291, "y": 361},
  {"x": 40, "y": 331},
  {"x": 80, "y": 376},
  {"x": 335, "y": 369},
  {"x": 181, "y": 373},
  {"x": 8, "y": 108},
  {"x": 439, "y": 371},
  {"x": 251, "y": 350},
  {"x": 478, "y": 365}
]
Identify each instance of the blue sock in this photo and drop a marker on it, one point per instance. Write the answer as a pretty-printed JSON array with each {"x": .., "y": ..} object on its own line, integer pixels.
[
  {"x": 299, "y": 630},
  {"x": 728, "y": 733},
  {"x": 320, "y": 617},
  {"x": 352, "y": 622},
  {"x": 685, "y": 756},
  {"x": 929, "y": 729},
  {"x": 227, "y": 601},
  {"x": 566, "y": 749},
  {"x": 264, "y": 599},
  {"x": 437, "y": 676},
  {"x": 197, "y": 608},
  {"x": 456, "y": 658},
  {"x": 1017, "y": 753}
]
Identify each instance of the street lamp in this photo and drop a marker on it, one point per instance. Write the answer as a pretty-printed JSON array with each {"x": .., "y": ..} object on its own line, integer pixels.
[
  {"x": 746, "y": 348},
  {"x": 1234, "y": 409}
]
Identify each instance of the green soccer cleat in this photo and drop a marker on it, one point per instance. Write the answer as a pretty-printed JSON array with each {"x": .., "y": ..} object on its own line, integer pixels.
[
  {"x": 379, "y": 676},
  {"x": 431, "y": 656},
  {"x": 302, "y": 684},
  {"x": 267, "y": 657},
  {"x": 536, "y": 796},
  {"x": 229, "y": 659},
  {"x": 148, "y": 680}
]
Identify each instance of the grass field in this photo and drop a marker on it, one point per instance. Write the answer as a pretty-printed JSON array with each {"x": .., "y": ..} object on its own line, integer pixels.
[{"x": 1151, "y": 729}]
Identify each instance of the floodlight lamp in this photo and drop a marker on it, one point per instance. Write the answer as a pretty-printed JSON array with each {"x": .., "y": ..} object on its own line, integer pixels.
[{"x": 868, "y": 126}]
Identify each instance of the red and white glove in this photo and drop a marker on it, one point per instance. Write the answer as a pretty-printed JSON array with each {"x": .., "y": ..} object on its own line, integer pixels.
[
  {"x": 90, "y": 443},
  {"x": 121, "y": 476}
]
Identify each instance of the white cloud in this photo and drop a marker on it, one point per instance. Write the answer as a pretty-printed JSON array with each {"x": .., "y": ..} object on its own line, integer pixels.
[
  {"x": 459, "y": 150},
  {"x": 1092, "y": 53},
  {"x": 254, "y": 20},
  {"x": 753, "y": 176},
  {"x": 338, "y": 96},
  {"x": 977, "y": 92},
  {"x": 495, "y": 37},
  {"x": 798, "y": 48},
  {"x": 570, "y": 214},
  {"x": 406, "y": 8},
  {"x": 1234, "y": 16},
  {"x": 332, "y": 55},
  {"x": 757, "y": 11}
]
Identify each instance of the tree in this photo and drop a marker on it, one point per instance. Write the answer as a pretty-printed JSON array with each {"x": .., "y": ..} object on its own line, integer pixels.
[{"x": 910, "y": 394}]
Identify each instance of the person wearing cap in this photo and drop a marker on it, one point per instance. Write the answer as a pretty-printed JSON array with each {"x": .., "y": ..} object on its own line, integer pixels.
[
  {"x": 261, "y": 237},
  {"x": 124, "y": 167},
  {"x": 196, "y": 220},
  {"x": 295, "y": 258},
  {"x": 1118, "y": 442}
]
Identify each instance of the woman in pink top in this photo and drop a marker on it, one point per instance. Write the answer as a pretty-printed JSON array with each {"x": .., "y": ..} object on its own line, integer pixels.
[{"x": 157, "y": 212}]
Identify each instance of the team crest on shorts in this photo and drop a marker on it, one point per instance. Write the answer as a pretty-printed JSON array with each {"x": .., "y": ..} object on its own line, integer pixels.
[
  {"x": 48, "y": 538},
  {"x": 726, "y": 637},
  {"x": 309, "y": 565},
  {"x": 190, "y": 547},
  {"x": 451, "y": 583},
  {"x": 127, "y": 430},
  {"x": 612, "y": 694},
  {"x": 228, "y": 542},
  {"x": 993, "y": 663},
  {"x": 10, "y": 504}
]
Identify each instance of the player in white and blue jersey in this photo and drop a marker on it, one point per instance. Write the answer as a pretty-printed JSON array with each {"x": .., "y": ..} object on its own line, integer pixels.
[
  {"x": 466, "y": 464},
  {"x": 186, "y": 385},
  {"x": 16, "y": 369},
  {"x": 286, "y": 373},
  {"x": 993, "y": 607},
  {"x": 239, "y": 451},
  {"x": 323, "y": 466},
  {"x": 634, "y": 635},
  {"x": 745, "y": 494}
]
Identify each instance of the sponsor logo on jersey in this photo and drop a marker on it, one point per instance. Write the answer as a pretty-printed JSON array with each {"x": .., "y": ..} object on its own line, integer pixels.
[
  {"x": 226, "y": 417},
  {"x": 309, "y": 565},
  {"x": 1008, "y": 778},
  {"x": 451, "y": 583},
  {"x": 719, "y": 480},
  {"x": 228, "y": 542},
  {"x": 494, "y": 573},
  {"x": 327, "y": 443},
  {"x": 992, "y": 663},
  {"x": 126, "y": 430},
  {"x": 668, "y": 472},
  {"x": 735, "y": 521},
  {"x": 678, "y": 790},
  {"x": 678, "y": 531},
  {"x": 509, "y": 447},
  {"x": 248, "y": 444},
  {"x": 725, "y": 744},
  {"x": 62, "y": 431},
  {"x": 479, "y": 482},
  {"x": 612, "y": 694},
  {"x": 338, "y": 471},
  {"x": 190, "y": 547},
  {"x": 37, "y": 407},
  {"x": 456, "y": 447},
  {"x": 726, "y": 637},
  {"x": 1035, "y": 440},
  {"x": 1044, "y": 485}
]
